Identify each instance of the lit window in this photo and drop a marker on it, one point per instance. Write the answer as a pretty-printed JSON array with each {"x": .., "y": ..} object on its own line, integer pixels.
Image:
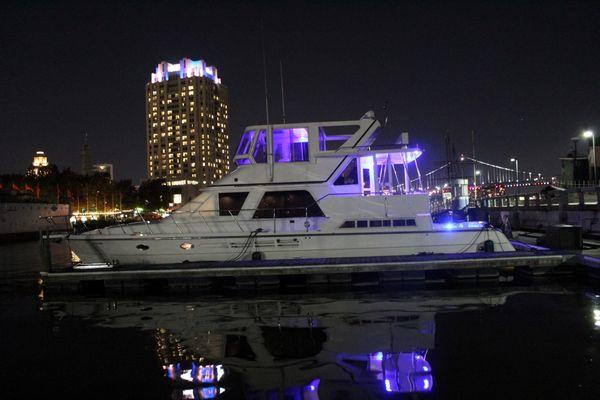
[{"x": 290, "y": 145}]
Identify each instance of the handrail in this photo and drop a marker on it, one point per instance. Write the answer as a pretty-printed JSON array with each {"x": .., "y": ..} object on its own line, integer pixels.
[
  {"x": 146, "y": 223},
  {"x": 235, "y": 220}
]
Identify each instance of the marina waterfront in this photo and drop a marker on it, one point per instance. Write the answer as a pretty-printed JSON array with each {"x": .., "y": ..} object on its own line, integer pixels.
[{"x": 473, "y": 340}]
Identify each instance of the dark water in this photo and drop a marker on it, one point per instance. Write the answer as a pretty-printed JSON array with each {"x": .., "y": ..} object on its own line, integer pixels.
[{"x": 537, "y": 341}]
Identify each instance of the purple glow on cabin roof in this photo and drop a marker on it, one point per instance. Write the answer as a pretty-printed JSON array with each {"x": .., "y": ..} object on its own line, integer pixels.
[
  {"x": 186, "y": 68},
  {"x": 401, "y": 157}
]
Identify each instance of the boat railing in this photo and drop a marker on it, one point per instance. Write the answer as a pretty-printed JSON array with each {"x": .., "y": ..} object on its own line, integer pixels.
[
  {"x": 273, "y": 214},
  {"x": 259, "y": 215}
]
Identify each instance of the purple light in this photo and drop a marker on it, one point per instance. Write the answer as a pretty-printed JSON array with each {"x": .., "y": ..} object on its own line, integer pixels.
[
  {"x": 260, "y": 148},
  {"x": 242, "y": 161},
  {"x": 379, "y": 356},
  {"x": 186, "y": 68},
  {"x": 290, "y": 145},
  {"x": 402, "y": 157},
  {"x": 245, "y": 143}
]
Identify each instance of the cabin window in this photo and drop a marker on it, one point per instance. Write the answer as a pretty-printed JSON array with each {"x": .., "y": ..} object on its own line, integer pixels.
[
  {"x": 231, "y": 202},
  {"x": 293, "y": 203},
  {"x": 333, "y": 137},
  {"x": 399, "y": 222},
  {"x": 375, "y": 223},
  {"x": 290, "y": 145},
  {"x": 348, "y": 224},
  {"x": 361, "y": 224},
  {"x": 260, "y": 148},
  {"x": 349, "y": 176},
  {"x": 245, "y": 143},
  {"x": 242, "y": 161},
  {"x": 411, "y": 222},
  {"x": 387, "y": 222}
]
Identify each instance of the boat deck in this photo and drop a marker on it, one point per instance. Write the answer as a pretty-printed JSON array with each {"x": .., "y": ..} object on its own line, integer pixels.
[{"x": 348, "y": 270}]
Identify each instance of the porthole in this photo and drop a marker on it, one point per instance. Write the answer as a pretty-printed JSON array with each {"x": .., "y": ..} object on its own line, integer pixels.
[
  {"x": 186, "y": 246},
  {"x": 142, "y": 247}
]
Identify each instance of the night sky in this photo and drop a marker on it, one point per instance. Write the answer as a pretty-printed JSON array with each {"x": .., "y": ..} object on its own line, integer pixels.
[{"x": 524, "y": 76}]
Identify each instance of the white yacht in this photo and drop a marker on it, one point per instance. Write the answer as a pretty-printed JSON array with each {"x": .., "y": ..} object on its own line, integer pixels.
[{"x": 302, "y": 190}]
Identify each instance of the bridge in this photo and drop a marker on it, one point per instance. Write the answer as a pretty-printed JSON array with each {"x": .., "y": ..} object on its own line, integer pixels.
[{"x": 477, "y": 173}]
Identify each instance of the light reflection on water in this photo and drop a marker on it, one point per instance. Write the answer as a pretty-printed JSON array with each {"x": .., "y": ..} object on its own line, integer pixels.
[
  {"x": 346, "y": 345},
  {"x": 442, "y": 343}
]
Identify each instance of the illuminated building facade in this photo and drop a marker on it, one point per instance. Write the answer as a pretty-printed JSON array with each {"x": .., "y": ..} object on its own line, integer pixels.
[
  {"x": 186, "y": 124},
  {"x": 39, "y": 166}
]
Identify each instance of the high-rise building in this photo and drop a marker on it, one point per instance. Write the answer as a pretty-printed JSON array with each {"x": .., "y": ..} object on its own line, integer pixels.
[{"x": 187, "y": 131}]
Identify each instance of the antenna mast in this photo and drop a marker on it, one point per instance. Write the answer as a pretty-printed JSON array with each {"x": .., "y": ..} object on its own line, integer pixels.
[
  {"x": 262, "y": 35},
  {"x": 282, "y": 96}
]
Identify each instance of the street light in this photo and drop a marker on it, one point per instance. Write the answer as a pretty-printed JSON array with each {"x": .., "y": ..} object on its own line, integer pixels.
[
  {"x": 516, "y": 167},
  {"x": 590, "y": 134}
]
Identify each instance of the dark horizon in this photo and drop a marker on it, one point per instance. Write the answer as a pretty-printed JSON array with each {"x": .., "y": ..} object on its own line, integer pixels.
[{"x": 523, "y": 76}]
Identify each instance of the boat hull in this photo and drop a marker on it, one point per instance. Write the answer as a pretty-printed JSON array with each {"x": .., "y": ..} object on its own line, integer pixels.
[{"x": 127, "y": 250}]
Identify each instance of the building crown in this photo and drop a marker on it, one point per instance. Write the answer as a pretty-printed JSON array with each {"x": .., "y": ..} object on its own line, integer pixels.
[{"x": 186, "y": 68}]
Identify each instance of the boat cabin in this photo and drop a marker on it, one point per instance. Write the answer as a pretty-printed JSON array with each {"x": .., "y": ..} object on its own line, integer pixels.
[{"x": 341, "y": 153}]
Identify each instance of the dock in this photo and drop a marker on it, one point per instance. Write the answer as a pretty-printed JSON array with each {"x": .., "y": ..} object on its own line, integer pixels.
[{"x": 353, "y": 271}]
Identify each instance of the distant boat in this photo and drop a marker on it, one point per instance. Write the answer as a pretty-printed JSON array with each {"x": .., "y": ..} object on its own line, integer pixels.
[
  {"x": 302, "y": 190},
  {"x": 26, "y": 220}
]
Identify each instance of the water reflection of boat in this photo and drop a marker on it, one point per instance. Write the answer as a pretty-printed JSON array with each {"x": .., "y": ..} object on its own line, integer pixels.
[{"x": 347, "y": 346}]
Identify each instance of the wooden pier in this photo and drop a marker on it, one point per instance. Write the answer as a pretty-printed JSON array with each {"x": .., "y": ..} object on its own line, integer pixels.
[{"x": 355, "y": 271}]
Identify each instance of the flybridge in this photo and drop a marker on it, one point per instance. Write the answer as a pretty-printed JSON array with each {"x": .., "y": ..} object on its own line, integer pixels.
[{"x": 342, "y": 153}]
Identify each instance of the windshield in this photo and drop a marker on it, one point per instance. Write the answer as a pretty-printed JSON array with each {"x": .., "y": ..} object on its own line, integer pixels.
[{"x": 245, "y": 143}]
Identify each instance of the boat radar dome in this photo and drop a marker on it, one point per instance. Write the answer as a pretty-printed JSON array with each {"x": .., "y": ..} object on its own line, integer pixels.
[{"x": 368, "y": 115}]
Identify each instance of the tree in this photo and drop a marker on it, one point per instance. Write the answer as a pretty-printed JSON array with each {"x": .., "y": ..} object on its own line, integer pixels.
[{"x": 154, "y": 194}]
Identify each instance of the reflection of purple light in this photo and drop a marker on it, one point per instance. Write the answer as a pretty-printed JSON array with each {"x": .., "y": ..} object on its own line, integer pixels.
[
  {"x": 402, "y": 372},
  {"x": 206, "y": 373},
  {"x": 388, "y": 386},
  {"x": 312, "y": 386},
  {"x": 209, "y": 392},
  {"x": 422, "y": 383}
]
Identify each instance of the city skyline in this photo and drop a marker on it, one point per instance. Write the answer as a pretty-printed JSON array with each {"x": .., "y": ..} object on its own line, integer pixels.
[{"x": 524, "y": 78}]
